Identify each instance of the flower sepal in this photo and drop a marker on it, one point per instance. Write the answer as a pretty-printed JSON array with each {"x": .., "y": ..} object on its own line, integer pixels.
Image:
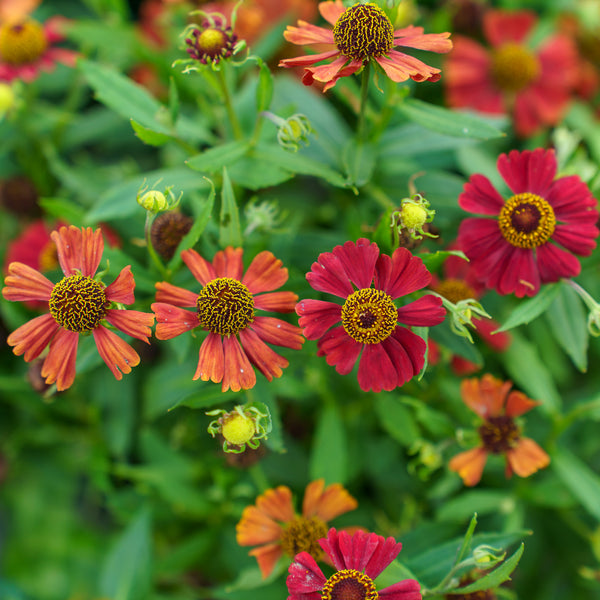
[
  {"x": 462, "y": 314},
  {"x": 247, "y": 424}
]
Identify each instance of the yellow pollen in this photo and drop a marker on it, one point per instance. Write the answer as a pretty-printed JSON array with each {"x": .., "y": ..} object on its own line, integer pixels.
[
  {"x": 303, "y": 535},
  {"x": 369, "y": 316},
  {"x": 22, "y": 43},
  {"x": 349, "y": 584},
  {"x": 225, "y": 306},
  {"x": 363, "y": 31},
  {"x": 78, "y": 303},
  {"x": 499, "y": 434},
  {"x": 514, "y": 67},
  {"x": 454, "y": 290},
  {"x": 238, "y": 429},
  {"x": 212, "y": 41},
  {"x": 413, "y": 215},
  {"x": 526, "y": 221}
]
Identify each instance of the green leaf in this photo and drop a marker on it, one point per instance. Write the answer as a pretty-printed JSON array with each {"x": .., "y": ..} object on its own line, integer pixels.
[
  {"x": 434, "y": 260},
  {"x": 264, "y": 90},
  {"x": 448, "y": 122},
  {"x": 150, "y": 136},
  {"x": 442, "y": 334},
  {"x": 359, "y": 162},
  {"x": 492, "y": 580},
  {"x": 173, "y": 100},
  {"x": 532, "y": 308},
  {"x": 64, "y": 210},
  {"x": 328, "y": 457},
  {"x": 568, "y": 324},
  {"x": 127, "y": 570},
  {"x": 528, "y": 371},
  {"x": 230, "y": 233},
  {"x": 487, "y": 502},
  {"x": 397, "y": 420},
  {"x": 466, "y": 540},
  {"x": 215, "y": 159},
  {"x": 250, "y": 172},
  {"x": 583, "y": 483}
]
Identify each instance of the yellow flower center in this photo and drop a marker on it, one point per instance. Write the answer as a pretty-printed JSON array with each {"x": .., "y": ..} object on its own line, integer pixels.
[
  {"x": 526, "y": 221},
  {"x": 413, "y": 215},
  {"x": 212, "y": 41},
  {"x": 369, "y": 316},
  {"x": 514, "y": 67},
  {"x": 78, "y": 303},
  {"x": 225, "y": 306},
  {"x": 363, "y": 31},
  {"x": 22, "y": 43},
  {"x": 499, "y": 434},
  {"x": 349, "y": 584},
  {"x": 454, "y": 290},
  {"x": 238, "y": 429},
  {"x": 303, "y": 535}
]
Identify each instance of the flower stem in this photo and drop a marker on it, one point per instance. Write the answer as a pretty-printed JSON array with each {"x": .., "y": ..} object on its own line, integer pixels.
[
  {"x": 235, "y": 124},
  {"x": 364, "y": 94}
]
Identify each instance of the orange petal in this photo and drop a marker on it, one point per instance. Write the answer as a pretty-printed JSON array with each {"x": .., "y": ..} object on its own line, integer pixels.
[
  {"x": 32, "y": 337},
  {"x": 328, "y": 503},
  {"x": 399, "y": 67},
  {"x": 485, "y": 396},
  {"x": 238, "y": 372},
  {"x": 331, "y": 11},
  {"x": 118, "y": 355},
  {"x": 201, "y": 269},
  {"x": 267, "y": 557},
  {"x": 469, "y": 465},
  {"x": 277, "y": 504},
  {"x": 527, "y": 458},
  {"x": 172, "y": 320},
  {"x": 121, "y": 289},
  {"x": 131, "y": 322},
  {"x": 78, "y": 249},
  {"x": 15, "y": 11},
  {"x": 278, "y": 332},
  {"x": 434, "y": 42},
  {"x": 265, "y": 273},
  {"x": 267, "y": 361},
  {"x": 518, "y": 403},
  {"x": 309, "y": 59},
  {"x": 24, "y": 283},
  {"x": 211, "y": 359},
  {"x": 255, "y": 528},
  {"x": 282, "y": 302},
  {"x": 59, "y": 365},
  {"x": 306, "y": 34},
  {"x": 228, "y": 263},
  {"x": 171, "y": 294}
]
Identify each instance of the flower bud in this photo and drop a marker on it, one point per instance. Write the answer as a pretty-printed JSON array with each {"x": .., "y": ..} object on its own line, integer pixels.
[
  {"x": 154, "y": 201},
  {"x": 486, "y": 557},
  {"x": 413, "y": 216},
  {"x": 243, "y": 425}
]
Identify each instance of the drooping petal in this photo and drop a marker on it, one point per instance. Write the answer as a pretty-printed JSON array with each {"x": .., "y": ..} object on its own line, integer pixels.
[
  {"x": 553, "y": 263},
  {"x": 401, "y": 274},
  {"x": 24, "y": 283},
  {"x": 408, "y": 589},
  {"x": 307, "y": 60},
  {"x": 201, "y": 269},
  {"x": 267, "y": 557},
  {"x": 59, "y": 365},
  {"x": 306, "y": 34},
  {"x": 434, "y": 42},
  {"x": 118, "y": 355},
  {"x": 265, "y": 273},
  {"x": 172, "y": 294},
  {"x": 172, "y": 321},
  {"x": 282, "y": 302},
  {"x": 375, "y": 370},
  {"x": 278, "y": 332},
  {"x": 399, "y": 67},
  {"x": 121, "y": 289},
  {"x": 228, "y": 263},
  {"x": 358, "y": 261},
  {"x": 317, "y": 316},
  {"x": 469, "y": 465},
  {"x": 480, "y": 197},
  {"x": 326, "y": 503},
  {"x": 32, "y": 337},
  {"x": 424, "y": 312},
  {"x": 268, "y": 362},
  {"x": 339, "y": 349},
  {"x": 238, "y": 372},
  {"x": 529, "y": 171},
  {"x": 211, "y": 359},
  {"x": 577, "y": 239},
  {"x": 527, "y": 458},
  {"x": 257, "y": 527},
  {"x": 132, "y": 322},
  {"x": 407, "y": 353},
  {"x": 305, "y": 580}
]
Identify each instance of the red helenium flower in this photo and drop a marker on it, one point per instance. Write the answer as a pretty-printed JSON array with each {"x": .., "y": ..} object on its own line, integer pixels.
[
  {"x": 225, "y": 308},
  {"x": 390, "y": 354},
  {"x": 531, "y": 238},
  {"x": 360, "y": 34},
  {"x": 493, "y": 401},
  {"x": 534, "y": 85},
  {"x": 359, "y": 559},
  {"x": 78, "y": 304}
]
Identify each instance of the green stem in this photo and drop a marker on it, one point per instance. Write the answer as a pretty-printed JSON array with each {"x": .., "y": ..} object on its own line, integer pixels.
[
  {"x": 364, "y": 95},
  {"x": 235, "y": 124}
]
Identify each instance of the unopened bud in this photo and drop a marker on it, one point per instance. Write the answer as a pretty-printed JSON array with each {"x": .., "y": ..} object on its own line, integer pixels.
[
  {"x": 486, "y": 557},
  {"x": 243, "y": 425}
]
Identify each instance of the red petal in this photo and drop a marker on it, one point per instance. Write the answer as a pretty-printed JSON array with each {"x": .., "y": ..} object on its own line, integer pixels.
[
  {"x": 171, "y": 294},
  {"x": 399, "y": 67},
  {"x": 211, "y": 361},
  {"x": 305, "y": 580},
  {"x": 268, "y": 362},
  {"x": 480, "y": 197},
  {"x": 554, "y": 263},
  {"x": 121, "y": 289},
  {"x": 228, "y": 263},
  {"x": 201, "y": 269},
  {"x": 408, "y": 589},
  {"x": 328, "y": 275},
  {"x": 317, "y": 316},
  {"x": 358, "y": 261},
  {"x": 32, "y": 337},
  {"x": 501, "y": 26},
  {"x": 265, "y": 273},
  {"x": 238, "y": 374},
  {"x": 282, "y": 302},
  {"x": 424, "y": 312},
  {"x": 309, "y": 59},
  {"x": 375, "y": 370},
  {"x": 407, "y": 351},
  {"x": 24, "y": 283},
  {"x": 172, "y": 320},
  {"x": 339, "y": 349},
  {"x": 59, "y": 365},
  {"x": 401, "y": 274},
  {"x": 528, "y": 171},
  {"x": 132, "y": 322},
  {"x": 118, "y": 355}
]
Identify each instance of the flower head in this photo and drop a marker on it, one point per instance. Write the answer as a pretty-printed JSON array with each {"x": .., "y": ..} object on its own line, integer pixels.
[
  {"x": 493, "y": 401},
  {"x": 78, "y": 305},
  {"x": 273, "y": 526},
  {"x": 358, "y": 560},
  {"x": 534, "y": 85},
  {"x": 243, "y": 425},
  {"x": 527, "y": 239},
  {"x": 226, "y": 308},
  {"x": 360, "y": 34},
  {"x": 367, "y": 322}
]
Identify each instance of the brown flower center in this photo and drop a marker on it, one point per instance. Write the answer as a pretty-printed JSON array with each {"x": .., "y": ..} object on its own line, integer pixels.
[
  {"x": 168, "y": 229},
  {"x": 499, "y": 434},
  {"x": 22, "y": 43},
  {"x": 225, "y": 306},
  {"x": 369, "y": 316},
  {"x": 454, "y": 290},
  {"x": 526, "y": 221},
  {"x": 78, "y": 303},
  {"x": 349, "y": 584},
  {"x": 363, "y": 31},
  {"x": 514, "y": 67},
  {"x": 303, "y": 535}
]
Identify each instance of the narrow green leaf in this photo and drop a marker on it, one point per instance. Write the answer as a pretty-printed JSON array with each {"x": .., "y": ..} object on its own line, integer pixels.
[
  {"x": 329, "y": 453},
  {"x": 150, "y": 136},
  {"x": 173, "y": 100},
  {"x": 532, "y": 308},
  {"x": 264, "y": 90},
  {"x": 230, "y": 233},
  {"x": 568, "y": 324},
  {"x": 359, "y": 162},
  {"x": 582, "y": 482},
  {"x": 448, "y": 122},
  {"x": 467, "y": 539},
  {"x": 215, "y": 159},
  {"x": 395, "y": 418}
]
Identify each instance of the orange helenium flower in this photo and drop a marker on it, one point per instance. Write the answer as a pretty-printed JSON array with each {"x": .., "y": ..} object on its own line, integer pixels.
[
  {"x": 225, "y": 307},
  {"x": 276, "y": 529},
  {"x": 360, "y": 34},
  {"x": 493, "y": 401},
  {"x": 77, "y": 304}
]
